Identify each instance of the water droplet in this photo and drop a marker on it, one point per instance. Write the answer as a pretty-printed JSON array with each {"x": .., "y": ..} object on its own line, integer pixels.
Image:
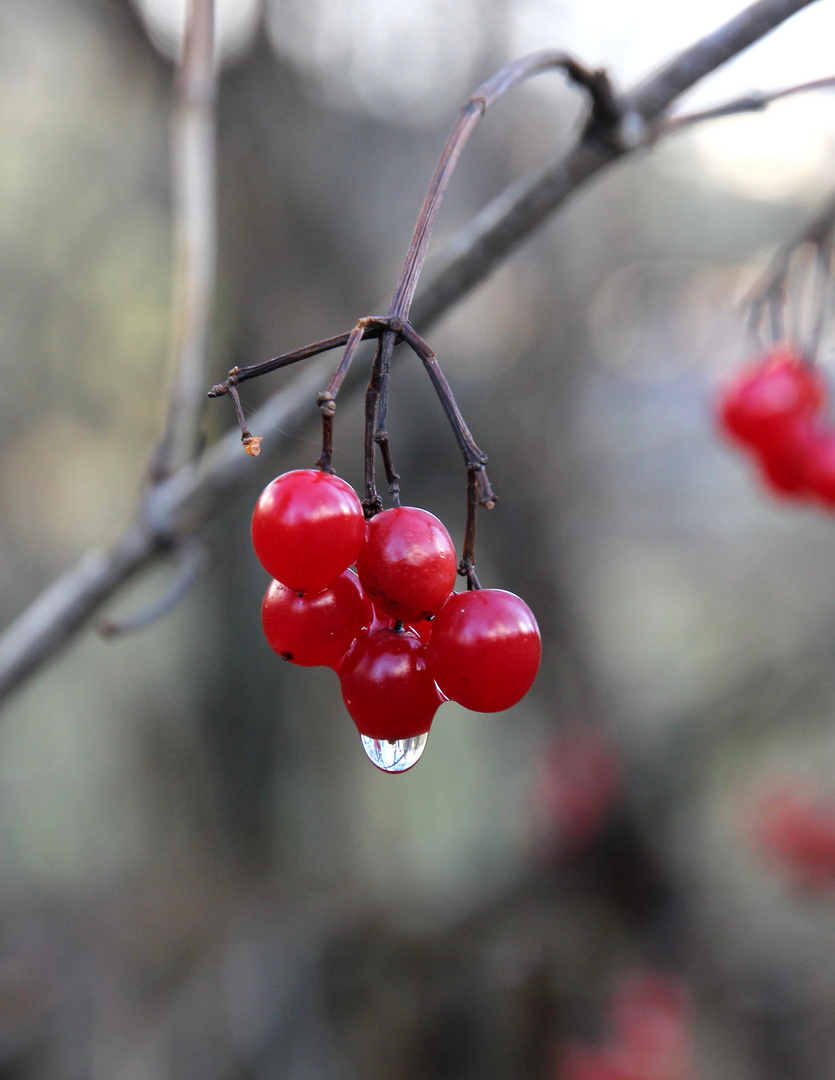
[{"x": 395, "y": 756}]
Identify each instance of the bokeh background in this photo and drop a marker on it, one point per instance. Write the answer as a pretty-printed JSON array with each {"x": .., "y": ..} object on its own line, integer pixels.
[{"x": 201, "y": 875}]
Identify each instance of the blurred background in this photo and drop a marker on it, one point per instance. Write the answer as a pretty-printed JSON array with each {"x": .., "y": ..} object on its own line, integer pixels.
[{"x": 201, "y": 875}]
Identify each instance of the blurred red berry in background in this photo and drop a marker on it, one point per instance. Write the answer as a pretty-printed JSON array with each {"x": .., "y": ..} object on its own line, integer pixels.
[
  {"x": 795, "y": 828},
  {"x": 651, "y": 1022},
  {"x": 578, "y": 783}
]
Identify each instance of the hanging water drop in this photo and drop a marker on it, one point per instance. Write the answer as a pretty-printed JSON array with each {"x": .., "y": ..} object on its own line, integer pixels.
[{"x": 395, "y": 756}]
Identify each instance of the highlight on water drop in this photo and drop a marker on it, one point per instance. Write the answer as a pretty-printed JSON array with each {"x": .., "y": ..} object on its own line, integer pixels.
[{"x": 397, "y": 756}]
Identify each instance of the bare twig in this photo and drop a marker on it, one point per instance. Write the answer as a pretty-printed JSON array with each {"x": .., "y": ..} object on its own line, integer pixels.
[
  {"x": 195, "y": 492},
  {"x": 191, "y": 559}
]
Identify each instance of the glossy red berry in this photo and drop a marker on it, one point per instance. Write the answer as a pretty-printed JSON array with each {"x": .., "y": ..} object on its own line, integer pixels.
[
  {"x": 307, "y": 527},
  {"x": 407, "y": 564},
  {"x": 782, "y": 386},
  {"x": 387, "y": 687},
  {"x": 484, "y": 649},
  {"x": 318, "y": 628}
]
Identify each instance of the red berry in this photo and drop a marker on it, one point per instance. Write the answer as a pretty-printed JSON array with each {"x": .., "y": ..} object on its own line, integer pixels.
[
  {"x": 484, "y": 649},
  {"x": 308, "y": 526},
  {"x": 316, "y": 628},
  {"x": 753, "y": 405},
  {"x": 387, "y": 687},
  {"x": 407, "y": 564}
]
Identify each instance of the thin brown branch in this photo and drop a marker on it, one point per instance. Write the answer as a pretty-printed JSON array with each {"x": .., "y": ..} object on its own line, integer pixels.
[
  {"x": 198, "y": 490},
  {"x": 193, "y": 181},
  {"x": 288, "y": 358},
  {"x": 476, "y": 106}
]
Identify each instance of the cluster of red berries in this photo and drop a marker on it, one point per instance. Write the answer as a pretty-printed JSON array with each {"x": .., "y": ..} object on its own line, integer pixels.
[
  {"x": 651, "y": 1036},
  {"x": 399, "y": 638},
  {"x": 775, "y": 409}
]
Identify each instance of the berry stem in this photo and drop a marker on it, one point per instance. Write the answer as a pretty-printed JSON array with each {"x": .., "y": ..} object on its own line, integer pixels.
[
  {"x": 381, "y": 436},
  {"x": 467, "y": 565},
  {"x": 326, "y": 400},
  {"x": 372, "y": 503},
  {"x": 473, "y": 456},
  {"x": 370, "y": 330},
  {"x": 232, "y": 391}
]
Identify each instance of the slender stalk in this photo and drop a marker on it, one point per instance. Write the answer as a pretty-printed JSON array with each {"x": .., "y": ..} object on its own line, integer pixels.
[
  {"x": 326, "y": 400},
  {"x": 472, "y": 111},
  {"x": 381, "y": 435},
  {"x": 371, "y": 503},
  {"x": 467, "y": 565},
  {"x": 293, "y": 357},
  {"x": 474, "y": 458}
]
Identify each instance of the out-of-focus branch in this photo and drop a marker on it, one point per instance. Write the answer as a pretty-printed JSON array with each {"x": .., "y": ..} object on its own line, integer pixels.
[
  {"x": 755, "y": 101},
  {"x": 181, "y": 504},
  {"x": 172, "y": 510},
  {"x": 193, "y": 184}
]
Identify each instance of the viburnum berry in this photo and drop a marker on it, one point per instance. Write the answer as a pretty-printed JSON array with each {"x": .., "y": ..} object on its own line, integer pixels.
[
  {"x": 318, "y": 628},
  {"x": 754, "y": 405},
  {"x": 407, "y": 564},
  {"x": 307, "y": 527},
  {"x": 387, "y": 687},
  {"x": 484, "y": 649}
]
